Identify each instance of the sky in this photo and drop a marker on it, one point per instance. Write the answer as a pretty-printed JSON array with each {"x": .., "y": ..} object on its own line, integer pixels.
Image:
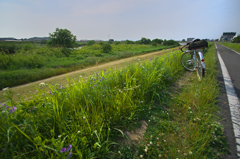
[{"x": 120, "y": 19}]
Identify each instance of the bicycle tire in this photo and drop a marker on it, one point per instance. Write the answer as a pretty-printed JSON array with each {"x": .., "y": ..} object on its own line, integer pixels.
[
  {"x": 200, "y": 67},
  {"x": 187, "y": 61}
]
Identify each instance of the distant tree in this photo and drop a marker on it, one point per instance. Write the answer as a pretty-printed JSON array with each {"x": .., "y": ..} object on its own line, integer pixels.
[
  {"x": 91, "y": 42},
  {"x": 183, "y": 40},
  {"x": 106, "y": 48},
  {"x": 44, "y": 41},
  {"x": 236, "y": 39},
  {"x": 157, "y": 41},
  {"x": 129, "y": 42},
  {"x": 111, "y": 41},
  {"x": 145, "y": 41},
  {"x": 117, "y": 42},
  {"x": 62, "y": 37},
  {"x": 170, "y": 42}
]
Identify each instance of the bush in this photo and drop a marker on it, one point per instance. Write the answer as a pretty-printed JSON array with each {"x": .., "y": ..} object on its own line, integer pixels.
[
  {"x": 236, "y": 40},
  {"x": 106, "y": 48},
  {"x": 91, "y": 42},
  {"x": 27, "y": 47},
  {"x": 66, "y": 51},
  {"x": 170, "y": 42},
  {"x": 8, "y": 49}
]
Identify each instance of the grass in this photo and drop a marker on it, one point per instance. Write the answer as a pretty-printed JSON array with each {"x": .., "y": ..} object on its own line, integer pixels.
[
  {"x": 187, "y": 125},
  {"x": 33, "y": 63},
  {"x": 84, "y": 119},
  {"x": 81, "y": 114},
  {"x": 234, "y": 46}
]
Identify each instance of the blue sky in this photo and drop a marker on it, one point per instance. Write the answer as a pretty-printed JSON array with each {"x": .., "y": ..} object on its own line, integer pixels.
[{"x": 120, "y": 19}]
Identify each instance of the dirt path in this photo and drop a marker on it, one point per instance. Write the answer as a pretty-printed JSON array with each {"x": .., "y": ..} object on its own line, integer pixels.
[{"x": 25, "y": 89}]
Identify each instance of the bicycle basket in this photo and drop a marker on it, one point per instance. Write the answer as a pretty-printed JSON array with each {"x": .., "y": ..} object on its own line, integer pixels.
[{"x": 198, "y": 44}]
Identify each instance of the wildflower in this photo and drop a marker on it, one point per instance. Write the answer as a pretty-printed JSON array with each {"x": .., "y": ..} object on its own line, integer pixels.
[
  {"x": 63, "y": 150},
  {"x": 159, "y": 155},
  {"x": 185, "y": 154},
  {"x": 59, "y": 136},
  {"x": 78, "y": 132},
  {"x": 179, "y": 151},
  {"x": 69, "y": 147},
  {"x": 165, "y": 141},
  {"x": 80, "y": 76},
  {"x": 5, "y": 89},
  {"x": 83, "y": 117},
  {"x": 13, "y": 109},
  {"x": 42, "y": 84},
  {"x": 150, "y": 142},
  {"x": 2, "y": 150},
  {"x": 109, "y": 129},
  {"x": 190, "y": 152},
  {"x": 119, "y": 152},
  {"x": 169, "y": 78},
  {"x": 50, "y": 92},
  {"x": 157, "y": 138},
  {"x": 145, "y": 150},
  {"x": 7, "y": 107},
  {"x": 62, "y": 87},
  {"x": 141, "y": 156},
  {"x": 69, "y": 155}
]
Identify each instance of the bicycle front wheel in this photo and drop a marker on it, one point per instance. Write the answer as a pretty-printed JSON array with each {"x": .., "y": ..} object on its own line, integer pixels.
[
  {"x": 187, "y": 61},
  {"x": 200, "y": 67}
]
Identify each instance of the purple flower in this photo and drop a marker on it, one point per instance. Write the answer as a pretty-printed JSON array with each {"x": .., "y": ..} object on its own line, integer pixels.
[
  {"x": 7, "y": 107},
  {"x": 91, "y": 87},
  {"x": 69, "y": 147},
  {"x": 69, "y": 155},
  {"x": 62, "y": 87},
  {"x": 2, "y": 150},
  {"x": 13, "y": 109},
  {"x": 50, "y": 92},
  {"x": 63, "y": 150},
  {"x": 150, "y": 59},
  {"x": 169, "y": 78}
]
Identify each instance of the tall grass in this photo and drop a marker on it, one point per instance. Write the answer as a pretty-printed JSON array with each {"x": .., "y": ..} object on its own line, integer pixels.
[
  {"x": 234, "y": 46},
  {"x": 41, "y": 62},
  {"x": 188, "y": 125},
  {"x": 85, "y": 116}
]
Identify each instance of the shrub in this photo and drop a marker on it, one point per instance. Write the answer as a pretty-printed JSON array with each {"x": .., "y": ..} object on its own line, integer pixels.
[
  {"x": 8, "y": 49},
  {"x": 107, "y": 48},
  {"x": 236, "y": 39},
  {"x": 66, "y": 51},
  {"x": 91, "y": 42},
  {"x": 170, "y": 42},
  {"x": 27, "y": 47}
]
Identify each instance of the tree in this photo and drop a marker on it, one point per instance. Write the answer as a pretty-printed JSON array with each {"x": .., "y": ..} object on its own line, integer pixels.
[
  {"x": 44, "y": 41},
  {"x": 157, "y": 41},
  {"x": 62, "y": 38},
  {"x": 145, "y": 41},
  {"x": 91, "y": 42},
  {"x": 236, "y": 39},
  {"x": 183, "y": 40},
  {"x": 170, "y": 42}
]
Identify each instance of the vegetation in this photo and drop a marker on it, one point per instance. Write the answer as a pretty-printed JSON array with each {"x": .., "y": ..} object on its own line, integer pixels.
[
  {"x": 236, "y": 39},
  {"x": 62, "y": 38},
  {"x": 233, "y": 46},
  {"x": 84, "y": 119},
  {"x": 34, "y": 62}
]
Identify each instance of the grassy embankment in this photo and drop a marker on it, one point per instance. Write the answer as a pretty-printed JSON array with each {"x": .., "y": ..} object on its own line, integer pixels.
[
  {"x": 234, "y": 46},
  {"x": 34, "y": 62},
  {"x": 87, "y": 117}
]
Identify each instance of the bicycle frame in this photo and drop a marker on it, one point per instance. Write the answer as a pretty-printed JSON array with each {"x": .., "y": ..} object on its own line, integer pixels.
[{"x": 195, "y": 52}]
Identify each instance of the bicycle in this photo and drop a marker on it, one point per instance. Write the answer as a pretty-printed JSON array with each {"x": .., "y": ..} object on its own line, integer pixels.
[{"x": 193, "y": 60}]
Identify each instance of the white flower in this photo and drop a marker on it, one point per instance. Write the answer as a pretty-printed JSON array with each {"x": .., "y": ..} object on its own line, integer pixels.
[
  {"x": 78, "y": 132},
  {"x": 59, "y": 136},
  {"x": 145, "y": 150},
  {"x": 141, "y": 156},
  {"x": 190, "y": 152},
  {"x": 5, "y": 89},
  {"x": 42, "y": 84},
  {"x": 119, "y": 152},
  {"x": 83, "y": 117},
  {"x": 150, "y": 142}
]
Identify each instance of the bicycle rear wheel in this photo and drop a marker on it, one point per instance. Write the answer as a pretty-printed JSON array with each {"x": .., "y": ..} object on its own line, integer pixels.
[
  {"x": 200, "y": 67},
  {"x": 187, "y": 61}
]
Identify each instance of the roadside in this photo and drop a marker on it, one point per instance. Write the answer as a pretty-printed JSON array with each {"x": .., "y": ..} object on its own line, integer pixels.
[
  {"x": 26, "y": 89},
  {"x": 230, "y": 58}
]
